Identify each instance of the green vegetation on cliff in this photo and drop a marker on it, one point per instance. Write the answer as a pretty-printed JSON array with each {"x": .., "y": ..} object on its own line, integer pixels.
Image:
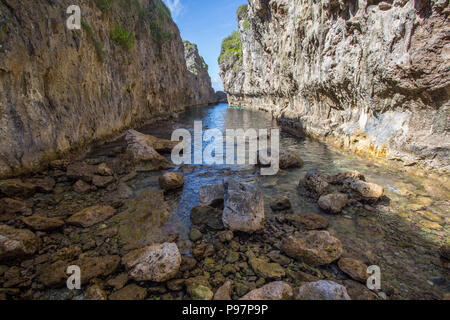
[
  {"x": 231, "y": 47},
  {"x": 123, "y": 37},
  {"x": 98, "y": 44}
]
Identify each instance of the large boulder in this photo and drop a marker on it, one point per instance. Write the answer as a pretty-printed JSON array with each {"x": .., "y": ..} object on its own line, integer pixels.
[
  {"x": 333, "y": 203},
  {"x": 16, "y": 243},
  {"x": 158, "y": 262},
  {"x": 171, "y": 181},
  {"x": 315, "y": 182},
  {"x": 144, "y": 154},
  {"x": 364, "y": 190},
  {"x": 322, "y": 290},
  {"x": 277, "y": 290},
  {"x": 91, "y": 216},
  {"x": 316, "y": 248},
  {"x": 243, "y": 207}
]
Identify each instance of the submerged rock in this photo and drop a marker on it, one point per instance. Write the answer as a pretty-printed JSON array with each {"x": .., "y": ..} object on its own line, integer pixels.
[
  {"x": 365, "y": 190},
  {"x": 81, "y": 187},
  {"x": 42, "y": 223},
  {"x": 95, "y": 292},
  {"x": 206, "y": 215},
  {"x": 277, "y": 290},
  {"x": 281, "y": 203},
  {"x": 16, "y": 243},
  {"x": 91, "y": 216},
  {"x": 309, "y": 221},
  {"x": 444, "y": 251},
  {"x": 322, "y": 290},
  {"x": 290, "y": 159},
  {"x": 316, "y": 248},
  {"x": 266, "y": 270},
  {"x": 341, "y": 177},
  {"x": 315, "y": 182},
  {"x": 243, "y": 207},
  {"x": 16, "y": 187},
  {"x": 171, "y": 181},
  {"x": 81, "y": 171},
  {"x": 158, "y": 262},
  {"x": 333, "y": 203},
  {"x": 130, "y": 292}
]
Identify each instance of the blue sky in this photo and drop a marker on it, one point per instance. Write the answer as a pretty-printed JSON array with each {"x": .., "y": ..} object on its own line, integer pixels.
[{"x": 206, "y": 23}]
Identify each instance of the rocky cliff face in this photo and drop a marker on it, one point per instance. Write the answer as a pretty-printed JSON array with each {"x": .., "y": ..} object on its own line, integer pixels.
[
  {"x": 201, "y": 90},
  {"x": 62, "y": 88},
  {"x": 369, "y": 76}
]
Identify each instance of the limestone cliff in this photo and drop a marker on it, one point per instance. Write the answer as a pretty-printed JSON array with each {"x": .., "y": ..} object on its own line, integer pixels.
[
  {"x": 201, "y": 90},
  {"x": 62, "y": 88},
  {"x": 370, "y": 76}
]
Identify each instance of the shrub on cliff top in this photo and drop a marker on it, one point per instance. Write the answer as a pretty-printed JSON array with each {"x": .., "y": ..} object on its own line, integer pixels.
[
  {"x": 242, "y": 12},
  {"x": 231, "y": 46}
]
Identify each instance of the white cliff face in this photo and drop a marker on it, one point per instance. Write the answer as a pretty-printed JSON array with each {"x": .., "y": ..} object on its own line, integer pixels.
[
  {"x": 369, "y": 76},
  {"x": 201, "y": 91}
]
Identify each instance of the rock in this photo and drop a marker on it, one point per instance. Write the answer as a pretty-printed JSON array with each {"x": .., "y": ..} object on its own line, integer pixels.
[
  {"x": 81, "y": 187},
  {"x": 225, "y": 236},
  {"x": 91, "y": 216},
  {"x": 160, "y": 145},
  {"x": 221, "y": 97},
  {"x": 201, "y": 293},
  {"x": 102, "y": 181},
  {"x": 118, "y": 282},
  {"x": 16, "y": 243},
  {"x": 444, "y": 251},
  {"x": 158, "y": 262},
  {"x": 316, "y": 248},
  {"x": 333, "y": 203},
  {"x": 171, "y": 181},
  {"x": 206, "y": 215},
  {"x": 316, "y": 182},
  {"x": 277, "y": 290},
  {"x": 194, "y": 283},
  {"x": 103, "y": 170},
  {"x": 367, "y": 191},
  {"x": 275, "y": 256},
  {"x": 139, "y": 146},
  {"x": 290, "y": 159},
  {"x": 15, "y": 187},
  {"x": 93, "y": 267},
  {"x": 94, "y": 292},
  {"x": 81, "y": 171},
  {"x": 54, "y": 275},
  {"x": 42, "y": 223},
  {"x": 341, "y": 177},
  {"x": 130, "y": 292},
  {"x": 322, "y": 290},
  {"x": 211, "y": 194},
  {"x": 187, "y": 263},
  {"x": 281, "y": 203},
  {"x": 358, "y": 291},
  {"x": 356, "y": 269},
  {"x": 243, "y": 207},
  {"x": 384, "y": 6},
  {"x": 175, "y": 285},
  {"x": 195, "y": 234},
  {"x": 44, "y": 185},
  {"x": 9, "y": 208},
  {"x": 267, "y": 270},
  {"x": 224, "y": 292},
  {"x": 309, "y": 221}
]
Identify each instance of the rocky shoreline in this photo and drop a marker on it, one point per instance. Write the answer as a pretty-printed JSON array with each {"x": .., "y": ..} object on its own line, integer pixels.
[{"x": 85, "y": 213}]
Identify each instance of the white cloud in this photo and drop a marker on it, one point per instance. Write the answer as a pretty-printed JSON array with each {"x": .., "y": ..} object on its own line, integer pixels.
[{"x": 175, "y": 7}]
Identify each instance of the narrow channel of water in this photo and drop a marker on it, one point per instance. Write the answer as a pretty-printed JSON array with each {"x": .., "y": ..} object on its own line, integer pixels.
[{"x": 402, "y": 236}]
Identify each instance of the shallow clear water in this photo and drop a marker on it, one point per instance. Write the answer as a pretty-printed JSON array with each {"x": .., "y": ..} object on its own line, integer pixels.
[{"x": 401, "y": 236}]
